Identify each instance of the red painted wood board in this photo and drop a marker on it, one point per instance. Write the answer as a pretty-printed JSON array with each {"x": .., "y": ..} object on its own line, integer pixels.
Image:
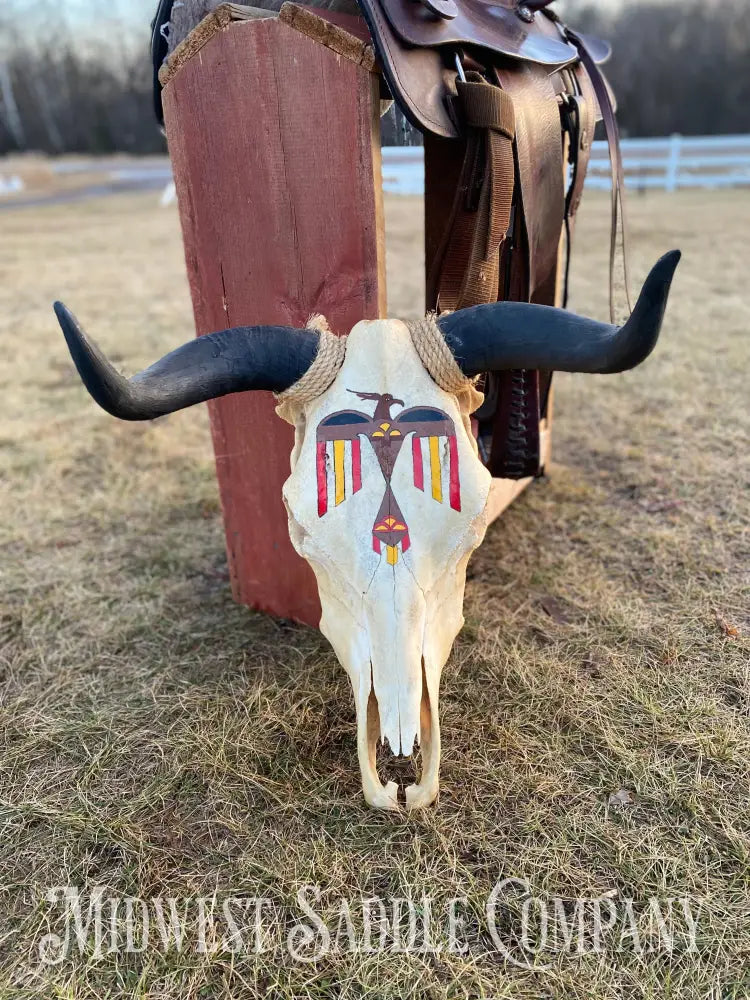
[{"x": 275, "y": 150}]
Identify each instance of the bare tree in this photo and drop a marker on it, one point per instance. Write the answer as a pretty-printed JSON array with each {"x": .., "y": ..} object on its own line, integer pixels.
[
  {"x": 87, "y": 88},
  {"x": 11, "y": 114}
]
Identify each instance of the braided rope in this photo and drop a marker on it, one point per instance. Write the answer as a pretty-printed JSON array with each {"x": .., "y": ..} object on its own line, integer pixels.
[
  {"x": 429, "y": 344},
  {"x": 438, "y": 359},
  {"x": 436, "y": 356},
  {"x": 321, "y": 373}
]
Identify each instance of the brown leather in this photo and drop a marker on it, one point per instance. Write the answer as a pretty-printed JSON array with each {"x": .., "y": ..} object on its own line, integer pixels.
[
  {"x": 585, "y": 111},
  {"x": 501, "y": 236},
  {"x": 618, "y": 224},
  {"x": 539, "y": 150},
  {"x": 466, "y": 270},
  {"x": 417, "y": 50},
  {"x": 515, "y": 439},
  {"x": 417, "y": 78},
  {"x": 516, "y": 452},
  {"x": 473, "y": 262},
  {"x": 496, "y": 26}
]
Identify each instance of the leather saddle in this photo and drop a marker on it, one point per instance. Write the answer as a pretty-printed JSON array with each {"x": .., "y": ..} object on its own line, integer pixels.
[
  {"x": 518, "y": 91},
  {"x": 417, "y": 42}
]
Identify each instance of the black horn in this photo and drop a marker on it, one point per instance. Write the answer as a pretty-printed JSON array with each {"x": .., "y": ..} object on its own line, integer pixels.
[
  {"x": 245, "y": 357},
  {"x": 507, "y": 335}
]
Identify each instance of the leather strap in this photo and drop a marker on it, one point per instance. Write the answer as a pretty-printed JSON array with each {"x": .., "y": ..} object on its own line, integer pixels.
[
  {"x": 618, "y": 221},
  {"x": 540, "y": 198},
  {"x": 579, "y": 117},
  {"x": 515, "y": 440},
  {"x": 541, "y": 187},
  {"x": 472, "y": 258},
  {"x": 467, "y": 268},
  {"x": 583, "y": 109}
]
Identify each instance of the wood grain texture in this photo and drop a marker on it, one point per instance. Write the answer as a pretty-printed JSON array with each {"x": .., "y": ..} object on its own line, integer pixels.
[
  {"x": 203, "y": 32},
  {"x": 275, "y": 151}
]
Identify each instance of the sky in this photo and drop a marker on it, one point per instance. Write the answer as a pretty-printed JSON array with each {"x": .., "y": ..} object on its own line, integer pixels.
[
  {"x": 96, "y": 16},
  {"x": 134, "y": 13},
  {"x": 132, "y": 10},
  {"x": 124, "y": 21}
]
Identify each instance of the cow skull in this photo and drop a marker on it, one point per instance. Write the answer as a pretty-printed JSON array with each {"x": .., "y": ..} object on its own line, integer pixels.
[
  {"x": 387, "y": 497},
  {"x": 387, "y": 502}
]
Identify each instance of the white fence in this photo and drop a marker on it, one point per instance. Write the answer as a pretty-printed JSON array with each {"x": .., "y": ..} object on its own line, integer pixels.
[
  {"x": 680, "y": 161},
  {"x": 675, "y": 162},
  {"x": 403, "y": 169}
]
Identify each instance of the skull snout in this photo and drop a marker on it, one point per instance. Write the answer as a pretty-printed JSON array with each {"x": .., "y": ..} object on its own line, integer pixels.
[{"x": 411, "y": 773}]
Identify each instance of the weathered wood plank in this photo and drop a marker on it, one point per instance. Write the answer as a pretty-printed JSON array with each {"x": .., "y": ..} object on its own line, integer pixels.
[
  {"x": 275, "y": 150},
  {"x": 344, "y": 33}
]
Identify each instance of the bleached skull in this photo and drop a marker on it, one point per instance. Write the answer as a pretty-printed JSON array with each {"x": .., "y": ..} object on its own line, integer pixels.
[
  {"x": 387, "y": 501},
  {"x": 387, "y": 497}
]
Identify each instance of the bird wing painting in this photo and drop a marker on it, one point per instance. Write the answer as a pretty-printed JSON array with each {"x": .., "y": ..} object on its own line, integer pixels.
[{"x": 386, "y": 435}]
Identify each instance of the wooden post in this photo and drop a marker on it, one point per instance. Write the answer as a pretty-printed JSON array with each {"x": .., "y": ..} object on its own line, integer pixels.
[
  {"x": 276, "y": 154},
  {"x": 672, "y": 169}
]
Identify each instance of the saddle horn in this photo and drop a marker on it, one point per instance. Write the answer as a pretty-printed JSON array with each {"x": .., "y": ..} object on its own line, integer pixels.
[
  {"x": 234, "y": 360},
  {"x": 507, "y": 335}
]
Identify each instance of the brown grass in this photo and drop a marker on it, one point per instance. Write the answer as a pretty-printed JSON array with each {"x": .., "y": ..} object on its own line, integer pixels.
[{"x": 159, "y": 740}]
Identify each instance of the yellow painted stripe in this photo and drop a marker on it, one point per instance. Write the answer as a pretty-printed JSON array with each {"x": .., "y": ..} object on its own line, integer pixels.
[
  {"x": 338, "y": 471},
  {"x": 391, "y": 552},
  {"x": 437, "y": 489}
]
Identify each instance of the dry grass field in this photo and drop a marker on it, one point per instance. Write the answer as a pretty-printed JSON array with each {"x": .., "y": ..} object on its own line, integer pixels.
[{"x": 160, "y": 741}]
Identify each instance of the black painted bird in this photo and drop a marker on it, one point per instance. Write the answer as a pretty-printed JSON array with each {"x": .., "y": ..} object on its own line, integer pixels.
[{"x": 386, "y": 434}]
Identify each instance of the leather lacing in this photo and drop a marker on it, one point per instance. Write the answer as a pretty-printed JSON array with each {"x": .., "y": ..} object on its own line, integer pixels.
[{"x": 517, "y": 448}]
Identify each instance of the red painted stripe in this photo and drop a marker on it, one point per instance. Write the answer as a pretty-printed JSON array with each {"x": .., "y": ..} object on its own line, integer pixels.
[
  {"x": 455, "y": 482},
  {"x": 416, "y": 455},
  {"x": 356, "y": 466},
  {"x": 376, "y": 544},
  {"x": 405, "y": 543},
  {"x": 322, "y": 482}
]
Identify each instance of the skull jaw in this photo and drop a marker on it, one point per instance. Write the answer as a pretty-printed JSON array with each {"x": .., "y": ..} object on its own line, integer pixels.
[
  {"x": 394, "y": 677},
  {"x": 385, "y": 796},
  {"x": 394, "y": 670},
  {"x": 377, "y": 795},
  {"x": 425, "y": 791}
]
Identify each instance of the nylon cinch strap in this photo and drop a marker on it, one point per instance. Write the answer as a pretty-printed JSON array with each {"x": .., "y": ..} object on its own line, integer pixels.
[{"x": 469, "y": 264}]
